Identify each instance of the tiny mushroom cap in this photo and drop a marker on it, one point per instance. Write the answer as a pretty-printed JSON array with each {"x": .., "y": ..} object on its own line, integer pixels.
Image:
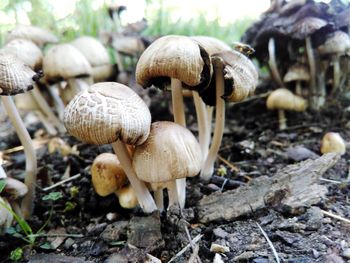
[
  {"x": 14, "y": 189},
  {"x": 332, "y": 142},
  {"x": 240, "y": 74},
  {"x": 107, "y": 174},
  {"x": 284, "y": 99},
  {"x": 38, "y": 35},
  {"x": 26, "y": 50},
  {"x": 177, "y": 57},
  {"x": 127, "y": 197},
  {"x": 15, "y": 76},
  {"x": 6, "y": 216},
  {"x": 128, "y": 45},
  {"x": 106, "y": 112},
  {"x": 337, "y": 43},
  {"x": 297, "y": 72},
  {"x": 97, "y": 56},
  {"x": 170, "y": 152},
  {"x": 65, "y": 61}
]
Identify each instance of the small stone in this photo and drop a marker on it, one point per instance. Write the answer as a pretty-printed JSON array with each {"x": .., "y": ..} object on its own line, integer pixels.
[
  {"x": 300, "y": 153},
  {"x": 219, "y": 232},
  {"x": 126, "y": 255},
  {"x": 68, "y": 243},
  {"x": 218, "y": 248},
  {"x": 213, "y": 187},
  {"x": 346, "y": 253},
  {"x": 52, "y": 258},
  {"x": 115, "y": 231},
  {"x": 218, "y": 258},
  {"x": 111, "y": 216},
  {"x": 56, "y": 241}
]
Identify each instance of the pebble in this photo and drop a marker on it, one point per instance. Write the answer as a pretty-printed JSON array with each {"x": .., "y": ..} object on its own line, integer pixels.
[
  {"x": 52, "y": 258},
  {"x": 218, "y": 248},
  {"x": 346, "y": 253},
  {"x": 68, "y": 243},
  {"x": 115, "y": 231},
  {"x": 219, "y": 232}
]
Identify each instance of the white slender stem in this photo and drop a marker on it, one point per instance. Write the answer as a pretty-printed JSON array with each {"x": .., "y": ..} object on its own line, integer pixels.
[
  {"x": 143, "y": 195},
  {"x": 298, "y": 90},
  {"x": 272, "y": 62},
  {"x": 208, "y": 167},
  {"x": 46, "y": 109},
  {"x": 336, "y": 75},
  {"x": 54, "y": 91},
  {"x": 159, "y": 198},
  {"x": 31, "y": 161},
  {"x": 210, "y": 110},
  {"x": 47, "y": 124},
  {"x": 282, "y": 120},
  {"x": 172, "y": 193},
  {"x": 179, "y": 118},
  {"x": 202, "y": 120},
  {"x": 74, "y": 86},
  {"x": 312, "y": 66}
]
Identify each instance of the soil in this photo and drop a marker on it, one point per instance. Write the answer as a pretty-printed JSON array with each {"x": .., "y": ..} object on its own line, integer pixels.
[{"x": 97, "y": 229}]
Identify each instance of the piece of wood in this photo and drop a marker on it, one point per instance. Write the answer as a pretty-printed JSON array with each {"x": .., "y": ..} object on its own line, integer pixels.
[{"x": 291, "y": 188}]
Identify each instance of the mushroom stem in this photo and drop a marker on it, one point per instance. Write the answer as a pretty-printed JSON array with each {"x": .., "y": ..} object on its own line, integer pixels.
[
  {"x": 336, "y": 75},
  {"x": 272, "y": 62},
  {"x": 31, "y": 162},
  {"x": 208, "y": 166},
  {"x": 74, "y": 86},
  {"x": 298, "y": 90},
  {"x": 282, "y": 120},
  {"x": 159, "y": 199},
  {"x": 59, "y": 105},
  {"x": 179, "y": 118},
  {"x": 47, "y": 124},
  {"x": 143, "y": 195},
  {"x": 46, "y": 109},
  {"x": 202, "y": 119},
  {"x": 172, "y": 193},
  {"x": 312, "y": 65}
]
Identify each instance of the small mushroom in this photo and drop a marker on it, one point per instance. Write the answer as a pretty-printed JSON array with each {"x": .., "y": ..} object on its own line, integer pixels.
[
  {"x": 107, "y": 174},
  {"x": 127, "y": 197},
  {"x": 16, "y": 77},
  {"x": 110, "y": 112},
  {"x": 332, "y": 142},
  {"x": 169, "y": 153},
  {"x": 297, "y": 73},
  {"x": 97, "y": 55},
  {"x": 283, "y": 99}
]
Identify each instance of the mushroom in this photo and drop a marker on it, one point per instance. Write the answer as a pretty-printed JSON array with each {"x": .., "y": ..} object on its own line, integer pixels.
[
  {"x": 170, "y": 152},
  {"x": 180, "y": 61},
  {"x": 109, "y": 112},
  {"x": 127, "y": 197},
  {"x": 283, "y": 99},
  {"x": 16, "y": 77},
  {"x": 297, "y": 73},
  {"x": 235, "y": 79},
  {"x": 32, "y": 56},
  {"x": 36, "y": 34},
  {"x": 14, "y": 191},
  {"x": 107, "y": 174},
  {"x": 336, "y": 45},
  {"x": 97, "y": 56},
  {"x": 65, "y": 62},
  {"x": 332, "y": 142}
]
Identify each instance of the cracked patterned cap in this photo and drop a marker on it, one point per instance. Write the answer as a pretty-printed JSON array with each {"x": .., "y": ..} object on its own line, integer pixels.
[{"x": 106, "y": 112}]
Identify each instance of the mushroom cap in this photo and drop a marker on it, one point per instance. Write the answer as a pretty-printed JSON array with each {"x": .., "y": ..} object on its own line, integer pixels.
[
  {"x": 26, "y": 51},
  {"x": 15, "y": 76},
  {"x": 170, "y": 152},
  {"x": 306, "y": 27},
  {"x": 107, "y": 174},
  {"x": 297, "y": 72},
  {"x": 36, "y": 34},
  {"x": 14, "y": 189},
  {"x": 332, "y": 142},
  {"x": 211, "y": 44},
  {"x": 127, "y": 197},
  {"x": 337, "y": 43},
  {"x": 128, "y": 45},
  {"x": 106, "y": 112},
  {"x": 93, "y": 50},
  {"x": 284, "y": 99},
  {"x": 176, "y": 57},
  {"x": 240, "y": 74},
  {"x": 64, "y": 61}
]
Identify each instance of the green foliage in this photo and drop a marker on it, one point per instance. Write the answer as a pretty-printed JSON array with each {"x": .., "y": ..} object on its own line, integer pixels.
[
  {"x": 17, "y": 254},
  {"x": 2, "y": 185},
  {"x": 53, "y": 196}
]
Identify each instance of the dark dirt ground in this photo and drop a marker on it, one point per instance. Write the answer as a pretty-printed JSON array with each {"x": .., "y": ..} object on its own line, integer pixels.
[{"x": 252, "y": 144}]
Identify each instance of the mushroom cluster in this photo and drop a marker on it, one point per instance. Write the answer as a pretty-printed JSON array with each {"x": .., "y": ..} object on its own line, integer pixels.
[{"x": 308, "y": 35}]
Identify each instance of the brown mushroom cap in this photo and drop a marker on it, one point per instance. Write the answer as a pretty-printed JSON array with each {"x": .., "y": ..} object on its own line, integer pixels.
[
  {"x": 127, "y": 197},
  {"x": 170, "y": 152},
  {"x": 38, "y": 35},
  {"x": 107, "y": 174},
  {"x": 297, "y": 72},
  {"x": 306, "y": 27},
  {"x": 284, "y": 99},
  {"x": 332, "y": 142},
  {"x": 14, "y": 189},
  {"x": 15, "y": 76},
  {"x": 241, "y": 75},
  {"x": 337, "y": 43},
  {"x": 128, "y": 45},
  {"x": 106, "y": 112},
  {"x": 26, "y": 51},
  {"x": 176, "y": 57},
  {"x": 64, "y": 61}
]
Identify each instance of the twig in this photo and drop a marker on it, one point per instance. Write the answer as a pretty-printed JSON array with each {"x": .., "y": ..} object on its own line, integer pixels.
[
  {"x": 332, "y": 181},
  {"x": 194, "y": 257},
  {"x": 232, "y": 166},
  {"x": 61, "y": 182},
  {"x": 270, "y": 243},
  {"x": 195, "y": 240},
  {"x": 335, "y": 216},
  {"x": 193, "y": 246},
  {"x": 57, "y": 235}
]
